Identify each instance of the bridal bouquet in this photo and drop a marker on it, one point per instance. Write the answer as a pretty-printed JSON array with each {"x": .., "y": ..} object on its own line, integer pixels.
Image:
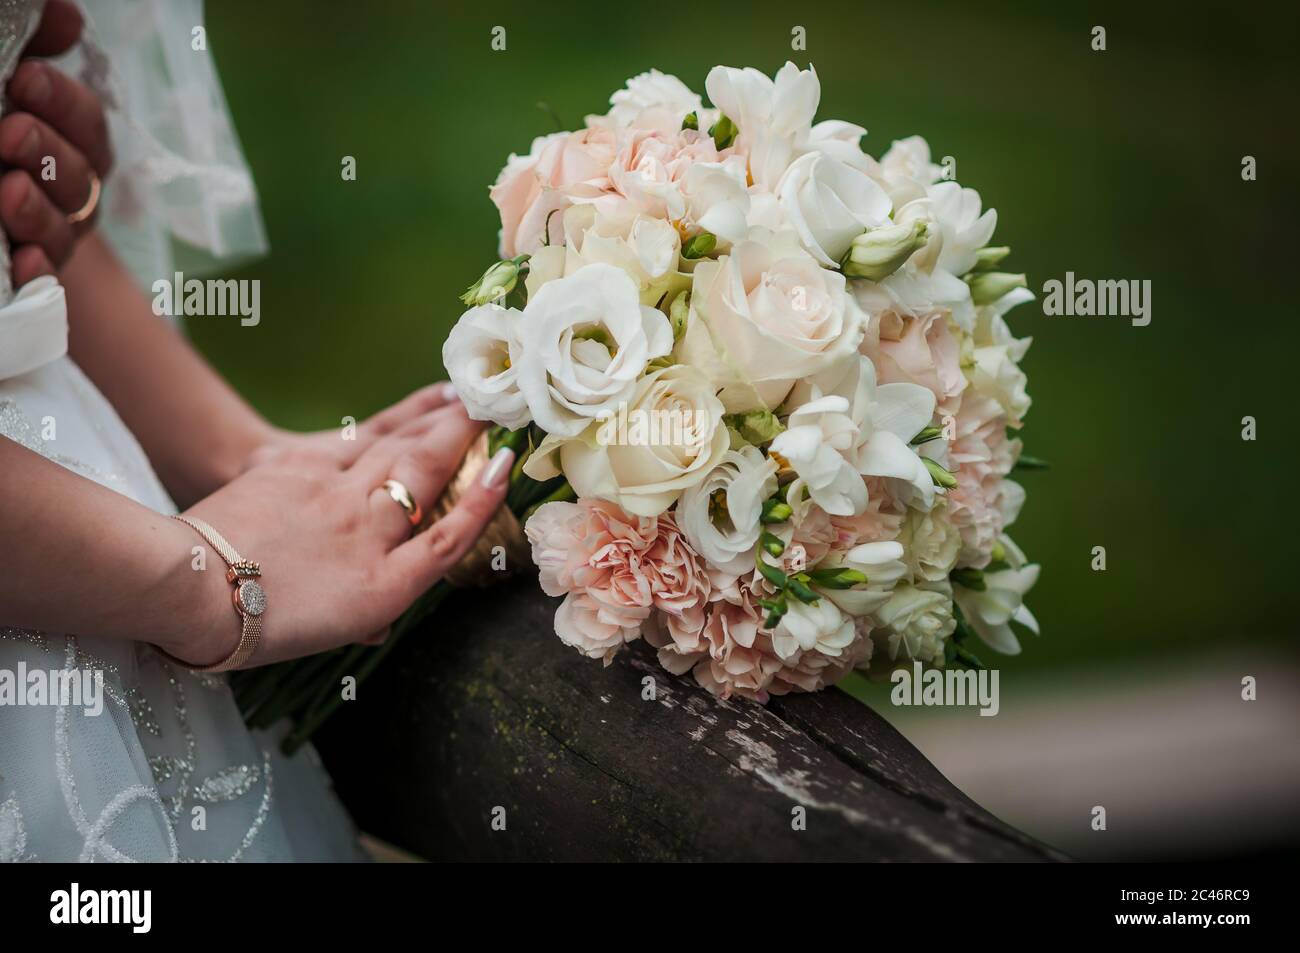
[{"x": 761, "y": 387}]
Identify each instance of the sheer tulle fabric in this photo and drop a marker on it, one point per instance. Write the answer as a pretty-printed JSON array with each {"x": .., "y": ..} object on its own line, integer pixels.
[{"x": 167, "y": 771}]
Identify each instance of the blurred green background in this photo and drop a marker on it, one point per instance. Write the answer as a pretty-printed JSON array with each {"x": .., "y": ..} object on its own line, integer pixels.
[{"x": 1117, "y": 164}]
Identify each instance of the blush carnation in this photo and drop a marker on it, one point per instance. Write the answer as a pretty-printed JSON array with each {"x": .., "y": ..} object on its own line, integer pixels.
[{"x": 614, "y": 570}]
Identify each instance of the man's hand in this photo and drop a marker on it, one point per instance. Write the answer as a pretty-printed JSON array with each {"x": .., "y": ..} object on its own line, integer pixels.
[{"x": 52, "y": 146}]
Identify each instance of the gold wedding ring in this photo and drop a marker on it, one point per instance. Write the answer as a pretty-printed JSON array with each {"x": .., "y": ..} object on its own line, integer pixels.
[
  {"x": 402, "y": 497},
  {"x": 87, "y": 210}
]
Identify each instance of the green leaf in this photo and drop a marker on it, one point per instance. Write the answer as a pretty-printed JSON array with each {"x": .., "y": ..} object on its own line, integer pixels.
[{"x": 969, "y": 579}]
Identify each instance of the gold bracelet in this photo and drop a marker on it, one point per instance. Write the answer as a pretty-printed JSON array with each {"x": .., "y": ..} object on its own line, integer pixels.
[{"x": 249, "y": 598}]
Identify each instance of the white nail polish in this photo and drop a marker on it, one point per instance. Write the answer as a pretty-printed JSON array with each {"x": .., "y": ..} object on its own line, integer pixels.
[{"x": 498, "y": 467}]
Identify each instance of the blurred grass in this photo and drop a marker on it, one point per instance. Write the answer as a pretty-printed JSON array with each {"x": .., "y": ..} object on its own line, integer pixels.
[{"x": 1119, "y": 164}]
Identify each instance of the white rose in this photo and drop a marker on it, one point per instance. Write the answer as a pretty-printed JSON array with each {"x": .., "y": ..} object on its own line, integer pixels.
[
  {"x": 829, "y": 204},
  {"x": 991, "y": 611},
  {"x": 665, "y": 439},
  {"x": 482, "y": 355},
  {"x": 931, "y": 543},
  {"x": 720, "y": 515},
  {"x": 916, "y": 621},
  {"x": 804, "y": 628},
  {"x": 584, "y": 341},
  {"x": 765, "y": 316},
  {"x": 645, "y": 249}
]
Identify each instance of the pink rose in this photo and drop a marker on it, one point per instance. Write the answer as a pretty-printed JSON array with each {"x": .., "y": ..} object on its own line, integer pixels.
[
  {"x": 559, "y": 169},
  {"x": 918, "y": 351}
]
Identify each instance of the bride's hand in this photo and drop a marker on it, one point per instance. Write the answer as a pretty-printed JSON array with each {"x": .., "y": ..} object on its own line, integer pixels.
[
  {"x": 339, "y": 563},
  {"x": 57, "y": 125}
]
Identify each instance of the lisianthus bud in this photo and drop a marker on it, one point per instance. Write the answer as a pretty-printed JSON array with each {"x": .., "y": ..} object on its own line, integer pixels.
[
  {"x": 988, "y": 286},
  {"x": 497, "y": 282},
  {"x": 698, "y": 246},
  {"x": 879, "y": 252}
]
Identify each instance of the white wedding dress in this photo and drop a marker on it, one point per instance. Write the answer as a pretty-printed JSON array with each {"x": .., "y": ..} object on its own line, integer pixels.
[{"x": 167, "y": 771}]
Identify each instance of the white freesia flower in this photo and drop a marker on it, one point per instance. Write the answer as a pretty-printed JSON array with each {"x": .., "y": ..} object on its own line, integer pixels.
[
  {"x": 720, "y": 514},
  {"x": 840, "y": 140},
  {"x": 906, "y": 167},
  {"x": 765, "y": 316},
  {"x": 991, "y": 611},
  {"x": 998, "y": 375},
  {"x": 645, "y": 469},
  {"x": 482, "y": 355},
  {"x": 966, "y": 229},
  {"x": 717, "y": 199},
  {"x": 773, "y": 115},
  {"x": 584, "y": 341},
  {"x": 829, "y": 204},
  {"x": 882, "y": 564},
  {"x": 653, "y": 96},
  {"x": 818, "y": 444},
  {"x": 869, "y": 426},
  {"x": 915, "y": 622},
  {"x": 822, "y": 628},
  {"x": 931, "y": 543}
]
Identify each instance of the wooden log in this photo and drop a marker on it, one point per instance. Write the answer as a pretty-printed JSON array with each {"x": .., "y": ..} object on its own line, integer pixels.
[{"x": 486, "y": 710}]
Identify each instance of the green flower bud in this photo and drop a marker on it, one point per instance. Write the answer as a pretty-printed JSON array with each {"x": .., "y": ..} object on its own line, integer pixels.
[
  {"x": 775, "y": 609},
  {"x": 497, "y": 282},
  {"x": 988, "y": 286},
  {"x": 678, "y": 312},
  {"x": 775, "y": 511},
  {"x": 879, "y": 252},
  {"x": 986, "y": 259},
  {"x": 757, "y": 426},
  {"x": 724, "y": 132},
  {"x": 691, "y": 121},
  {"x": 968, "y": 579},
  {"x": 841, "y": 577},
  {"x": 769, "y": 572},
  {"x": 698, "y": 246},
  {"x": 772, "y": 545},
  {"x": 940, "y": 476},
  {"x": 926, "y": 435},
  {"x": 797, "y": 586}
]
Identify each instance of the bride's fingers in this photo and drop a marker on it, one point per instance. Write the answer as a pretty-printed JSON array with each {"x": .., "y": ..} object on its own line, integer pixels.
[
  {"x": 28, "y": 216},
  {"x": 29, "y": 262},
  {"x": 424, "y": 559},
  {"x": 59, "y": 29},
  {"x": 413, "y": 406},
  {"x": 424, "y": 465},
  {"x": 68, "y": 106},
  {"x": 28, "y": 143}
]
